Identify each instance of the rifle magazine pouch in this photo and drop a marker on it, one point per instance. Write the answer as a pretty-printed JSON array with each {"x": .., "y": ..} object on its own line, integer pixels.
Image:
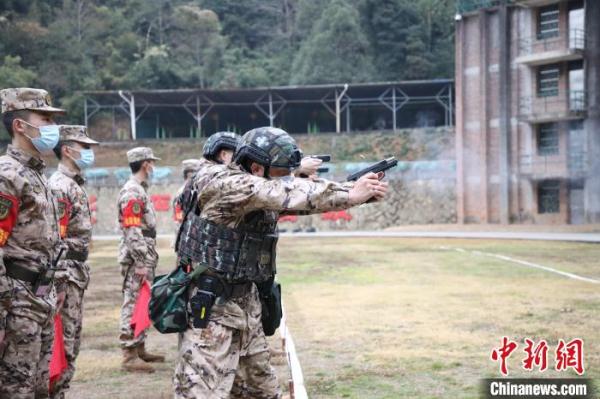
[
  {"x": 271, "y": 308},
  {"x": 168, "y": 302}
]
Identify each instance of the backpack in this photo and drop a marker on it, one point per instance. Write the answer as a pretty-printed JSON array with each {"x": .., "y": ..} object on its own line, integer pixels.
[{"x": 168, "y": 302}]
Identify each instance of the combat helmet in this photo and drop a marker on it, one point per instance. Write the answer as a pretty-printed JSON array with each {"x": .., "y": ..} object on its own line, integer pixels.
[
  {"x": 268, "y": 146},
  {"x": 217, "y": 142}
]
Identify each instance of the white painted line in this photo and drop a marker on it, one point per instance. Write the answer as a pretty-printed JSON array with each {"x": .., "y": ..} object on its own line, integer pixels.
[
  {"x": 529, "y": 264},
  {"x": 546, "y": 268},
  {"x": 293, "y": 362}
]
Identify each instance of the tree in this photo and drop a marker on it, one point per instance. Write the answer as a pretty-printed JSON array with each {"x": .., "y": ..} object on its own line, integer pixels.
[
  {"x": 154, "y": 71},
  {"x": 197, "y": 45},
  {"x": 388, "y": 24},
  {"x": 12, "y": 74},
  {"x": 336, "y": 51}
]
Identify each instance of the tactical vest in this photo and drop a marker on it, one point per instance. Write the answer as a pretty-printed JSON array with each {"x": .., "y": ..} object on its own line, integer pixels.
[{"x": 242, "y": 254}]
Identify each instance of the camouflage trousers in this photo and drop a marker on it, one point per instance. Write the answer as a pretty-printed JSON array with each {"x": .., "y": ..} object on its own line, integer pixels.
[
  {"x": 230, "y": 358},
  {"x": 25, "y": 357},
  {"x": 132, "y": 285},
  {"x": 71, "y": 313}
]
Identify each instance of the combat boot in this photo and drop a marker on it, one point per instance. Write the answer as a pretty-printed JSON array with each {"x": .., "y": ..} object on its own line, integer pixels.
[
  {"x": 148, "y": 357},
  {"x": 133, "y": 363}
]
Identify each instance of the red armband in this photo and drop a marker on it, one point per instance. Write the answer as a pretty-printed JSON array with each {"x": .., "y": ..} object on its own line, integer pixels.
[
  {"x": 9, "y": 210},
  {"x": 178, "y": 213},
  {"x": 64, "y": 214},
  {"x": 132, "y": 214}
]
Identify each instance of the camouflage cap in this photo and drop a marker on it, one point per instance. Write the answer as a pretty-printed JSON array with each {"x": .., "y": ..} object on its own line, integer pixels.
[
  {"x": 75, "y": 133},
  {"x": 23, "y": 98},
  {"x": 191, "y": 165},
  {"x": 141, "y": 154}
]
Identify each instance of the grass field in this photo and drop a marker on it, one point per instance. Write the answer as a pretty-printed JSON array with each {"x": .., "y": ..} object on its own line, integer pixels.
[{"x": 382, "y": 318}]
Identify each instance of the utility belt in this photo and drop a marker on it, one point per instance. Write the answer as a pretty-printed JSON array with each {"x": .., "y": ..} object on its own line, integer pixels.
[
  {"x": 210, "y": 288},
  {"x": 149, "y": 233},
  {"x": 80, "y": 256},
  {"x": 41, "y": 282}
]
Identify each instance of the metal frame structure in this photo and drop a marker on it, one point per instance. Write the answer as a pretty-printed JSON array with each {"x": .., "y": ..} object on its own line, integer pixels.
[{"x": 271, "y": 101}]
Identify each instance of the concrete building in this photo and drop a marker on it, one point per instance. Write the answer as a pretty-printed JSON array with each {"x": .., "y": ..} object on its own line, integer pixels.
[{"x": 528, "y": 111}]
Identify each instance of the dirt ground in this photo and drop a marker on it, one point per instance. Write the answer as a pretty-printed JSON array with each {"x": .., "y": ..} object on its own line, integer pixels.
[{"x": 382, "y": 318}]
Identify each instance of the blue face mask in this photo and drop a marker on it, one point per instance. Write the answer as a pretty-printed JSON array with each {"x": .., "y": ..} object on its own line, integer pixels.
[
  {"x": 86, "y": 160},
  {"x": 151, "y": 174},
  {"x": 49, "y": 135}
]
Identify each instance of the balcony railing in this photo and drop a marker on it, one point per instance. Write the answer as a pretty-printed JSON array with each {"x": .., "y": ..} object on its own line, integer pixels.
[
  {"x": 571, "y": 166},
  {"x": 466, "y": 6},
  {"x": 574, "y": 39},
  {"x": 564, "y": 106}
]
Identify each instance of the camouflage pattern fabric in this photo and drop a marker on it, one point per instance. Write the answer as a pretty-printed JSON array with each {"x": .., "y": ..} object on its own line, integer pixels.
[
  {"x": 29, "y": 239},
  {"x": 168, "y": 304},
  {"x": 132, "y": 286},
  {"x": 279, "y": 147},
  {"x": 72, "y": 315},
  {"x": 25, "y": 358},
  {"x": 141, "y": 154},
  {"x": 177, "y": 211},
  {"x": 199, "y": 167},
  {"x": 227, "y": 194},
  {"x": 230, "y": 358},
  {"x": 231, "y": 355},
  {"x": 24, "y": 98},
  {"x": 78, "y": 133},
  {"x": 136, "y": 215},
  {"x": 75, "y": 223}
]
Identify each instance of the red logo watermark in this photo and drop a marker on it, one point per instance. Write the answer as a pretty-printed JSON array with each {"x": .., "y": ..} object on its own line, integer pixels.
[{"x": 567, "y": 355}]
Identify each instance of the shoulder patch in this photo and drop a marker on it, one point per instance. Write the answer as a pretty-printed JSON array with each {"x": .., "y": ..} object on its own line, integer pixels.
[{"x": 9, "y": 210}]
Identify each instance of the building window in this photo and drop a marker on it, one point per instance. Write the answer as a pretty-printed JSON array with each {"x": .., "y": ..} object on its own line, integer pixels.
[
  {"x": 577, "y": 98},
  {"x": 547, "y": 79},
  {"x": 548, "y": 22},
  {"x": 549, "y": 196},
  {"x": 576, "y": 25},
  {"x": 548, "y": 139}
]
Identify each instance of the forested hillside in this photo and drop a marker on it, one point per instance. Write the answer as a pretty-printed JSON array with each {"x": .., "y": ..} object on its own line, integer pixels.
[{"x": 70, "y": 45}]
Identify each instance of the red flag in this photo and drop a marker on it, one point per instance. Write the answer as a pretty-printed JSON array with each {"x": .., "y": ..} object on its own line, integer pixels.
[
  {"x": 58, "y": 362},
  {"x": 140, "y": 320}
]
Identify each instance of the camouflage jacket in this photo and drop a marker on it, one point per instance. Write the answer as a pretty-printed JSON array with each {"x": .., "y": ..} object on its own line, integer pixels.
[
  {"x": 137, "y": 221},
  {"x": 29, "y": 234},
  {"x": 227, "y": 194},
  {"x": 75, "y": 223}
]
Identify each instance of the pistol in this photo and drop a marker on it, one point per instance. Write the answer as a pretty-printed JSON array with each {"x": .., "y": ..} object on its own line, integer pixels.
[
  {"x": 380, "y": 166},
  {"x": 324, "y": 158}
]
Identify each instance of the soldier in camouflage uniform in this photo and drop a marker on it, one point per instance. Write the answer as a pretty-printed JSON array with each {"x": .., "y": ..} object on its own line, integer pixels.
[
  {"x": 29, "y": 239},
  {"x": 137, "y": 254},
  {"x": 190, "y": 167},
  {"x": 239, "y": 205},
  {"x": 75, "y": 221},
  {"x": 219, "y": 148}
]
